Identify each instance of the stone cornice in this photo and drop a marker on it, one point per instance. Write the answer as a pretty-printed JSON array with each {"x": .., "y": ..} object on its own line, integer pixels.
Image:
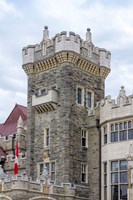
[
  {"x": 69, "y": 57},
  {"x": 29, "y": 68}
]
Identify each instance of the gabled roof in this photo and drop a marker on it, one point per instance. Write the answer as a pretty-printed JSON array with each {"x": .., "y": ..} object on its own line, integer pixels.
[{"x": 9, "y": 127}]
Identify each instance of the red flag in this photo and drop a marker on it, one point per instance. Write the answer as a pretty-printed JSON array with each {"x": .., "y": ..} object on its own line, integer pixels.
[{"x": 16, "y": 160}]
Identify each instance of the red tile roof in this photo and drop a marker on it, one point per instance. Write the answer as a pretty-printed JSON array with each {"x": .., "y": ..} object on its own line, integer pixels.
[{"x": 10, "y": 125}]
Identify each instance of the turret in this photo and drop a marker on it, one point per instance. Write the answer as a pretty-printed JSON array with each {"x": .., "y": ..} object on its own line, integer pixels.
[
  {"x": 73, "y": 43},
  {"x": 20, "y": 125}
]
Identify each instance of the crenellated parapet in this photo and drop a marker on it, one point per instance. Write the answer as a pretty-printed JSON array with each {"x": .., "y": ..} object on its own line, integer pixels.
[
  {"x": 50, "y": 53},
  {"x": 121, "y": 107},
  {"x": 21, "y": 182},
  {"x": 11, "y": 184},
  {"x": 9, "y": 164},
  {"x": 7, "y": 142}
]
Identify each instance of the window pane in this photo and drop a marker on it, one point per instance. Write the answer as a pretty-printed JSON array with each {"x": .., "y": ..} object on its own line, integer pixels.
[
  {"x": 114, "y": 177},
  {"x": 129, "y": 124},
  {"x": 123, "y": 165},
  {"x": 47, "y": 165},
  {"x": 83, "y": 133},
  {"x": 41, "y": 168},
  {"x": 112, "y": 127},
  {"x": 105, "y": 193},
  {"x": 116, "y": 127},
  {"x": 105, "y": 129},
  {"x": 52, "y": 176},
  {"x": 114, "y": 192},
  {"x": 125, "y": 125},
  {"x": 84, "y": 138},
  {"x": 83, "y": 177},
  {"x": 84, "y": 142},
  {"x": 47, "y": 137},
  {"x": 120, "y": 126},
  {"x": 79, "y": 97},
  {"x": 89, "y": 99},
  {"x": 105, "y": 138},
  {"x": 130, "y": 134},
  {"x": 53, "y": 166},
  {"x": 114, "y": 137},
  {"x": 105, "y": 179},
  {"x": 83, "y": 168},
  {"x": 123, "y": 135},
  {"x": 123, "y": 177},
  {"x": 114, "y": 166},
  {"x": 105, "y": 167},
  {"x": 123, "y": 192}
]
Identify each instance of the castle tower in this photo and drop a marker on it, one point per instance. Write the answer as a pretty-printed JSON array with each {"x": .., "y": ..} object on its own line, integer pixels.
[{"x": 65, "y": 80}]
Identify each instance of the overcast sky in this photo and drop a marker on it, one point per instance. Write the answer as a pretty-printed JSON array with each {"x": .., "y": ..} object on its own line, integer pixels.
[{"x": 22, "y": 22}]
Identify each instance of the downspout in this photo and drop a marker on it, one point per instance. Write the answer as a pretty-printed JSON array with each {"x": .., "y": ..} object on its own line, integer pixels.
[{"x": 99, "y": 131}]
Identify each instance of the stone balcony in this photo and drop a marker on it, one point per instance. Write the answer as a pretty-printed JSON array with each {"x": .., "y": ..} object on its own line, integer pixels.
[{"x": 46, "y": 102}]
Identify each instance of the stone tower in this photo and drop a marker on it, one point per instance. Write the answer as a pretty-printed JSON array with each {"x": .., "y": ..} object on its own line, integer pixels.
[{"x": 65, "y": 81}]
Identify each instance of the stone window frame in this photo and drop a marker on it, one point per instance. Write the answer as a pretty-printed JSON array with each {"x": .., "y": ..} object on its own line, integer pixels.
[
  {"x": 119, "y": 131},
  {"x": 41, "y": 91},
  {"x": 47, "y": 137},
  {"x": 84, "y": 138},
  {"x": 82, "y": 95},
  {"x": 84, "y": 173},
  {"x": 92, "y": 98},
  {"x": 49, "y": 168},
  {"x": 105, "y": 135},
  {"x": 117, "y": 181},
  {"x": 105, "y": 184}
]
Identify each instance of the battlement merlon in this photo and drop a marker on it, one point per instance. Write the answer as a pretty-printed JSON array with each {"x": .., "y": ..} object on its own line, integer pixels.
[{"x": 62, "y": 42}]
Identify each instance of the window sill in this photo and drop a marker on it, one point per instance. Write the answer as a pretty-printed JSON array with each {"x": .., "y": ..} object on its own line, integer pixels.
[{"x": 84, "y": 148}]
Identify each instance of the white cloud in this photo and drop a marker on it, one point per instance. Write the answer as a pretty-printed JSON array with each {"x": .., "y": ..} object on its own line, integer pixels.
[
  {"x": 21, "y": 25},
  {"x": 8, "y": 100},
  {"x": 7, "y": 8}
]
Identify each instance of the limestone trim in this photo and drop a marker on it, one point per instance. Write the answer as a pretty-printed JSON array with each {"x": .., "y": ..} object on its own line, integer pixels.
[
  {"x": 117, "y": 120},
  {"x": 41, "y": 198},
  {"x": 63, "y": 57},
  {"x": 45, "y": 107},
  {"x": 29, "y": 69},
  {"x": 5, "y": 197}
]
